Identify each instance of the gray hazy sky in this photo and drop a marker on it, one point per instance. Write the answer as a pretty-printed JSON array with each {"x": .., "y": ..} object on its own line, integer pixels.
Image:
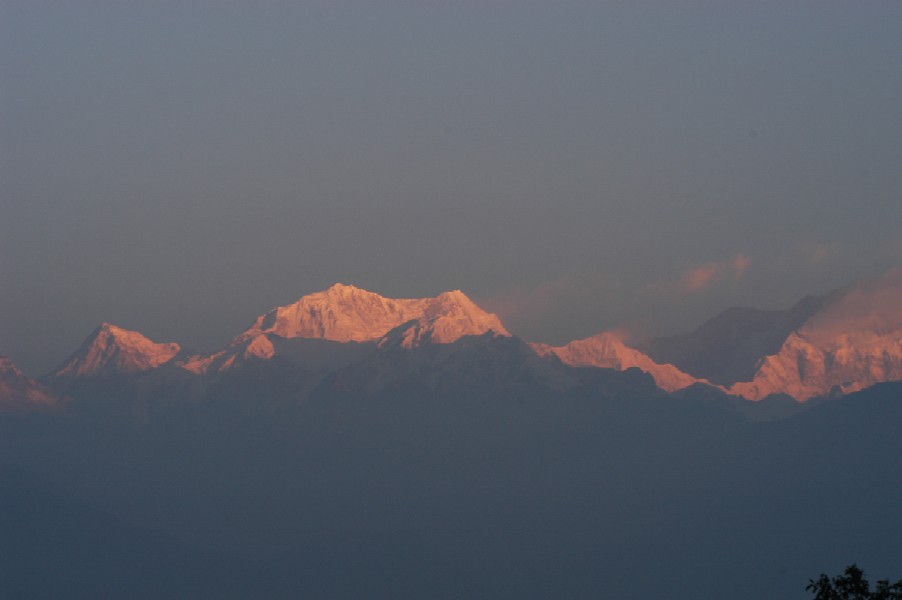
[{"x": 180, "y": 167}]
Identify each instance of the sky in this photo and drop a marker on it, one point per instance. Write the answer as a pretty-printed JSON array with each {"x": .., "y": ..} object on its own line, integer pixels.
[{"x": 181, "y": 167}]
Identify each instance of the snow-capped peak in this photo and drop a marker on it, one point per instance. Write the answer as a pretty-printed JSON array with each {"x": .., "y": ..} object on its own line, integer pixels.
[
  {"x": 852, "y": 343},
  {"x": 346, "y": 313},
  {"x": 111, "y": 349}
]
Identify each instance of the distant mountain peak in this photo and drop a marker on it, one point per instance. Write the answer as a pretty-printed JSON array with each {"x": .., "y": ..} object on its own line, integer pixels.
[
  {"x": 344, "y": 289},
  {"x": 20, "y": 392},
  {"x": 844, "y": 341},
  {"x": 852, "y": 342},
  {"x": 112, "y": 349},
  {"x": 346, "y": 313}
]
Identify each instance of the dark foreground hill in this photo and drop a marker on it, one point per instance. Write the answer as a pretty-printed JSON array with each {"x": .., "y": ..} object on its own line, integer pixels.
[
  {"x": 53, "y": 545},
  {"x": 413, "y": 492}
]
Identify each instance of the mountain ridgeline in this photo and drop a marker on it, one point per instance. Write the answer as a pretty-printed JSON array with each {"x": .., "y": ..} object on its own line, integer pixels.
[
  {"x": 843, "y": 342},
  {"x": 729, "y": 347},
  {"x": 355, "y": 446}
]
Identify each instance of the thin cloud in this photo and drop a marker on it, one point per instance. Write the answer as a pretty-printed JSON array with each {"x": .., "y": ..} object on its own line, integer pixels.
[
  {"x": 530, "y": 303},
  {"x": 815, "y": 254},
  {"x": 741, "y": 264},
  {"x": 540, "y": 310},
  {"x": 703, "y": 277}
]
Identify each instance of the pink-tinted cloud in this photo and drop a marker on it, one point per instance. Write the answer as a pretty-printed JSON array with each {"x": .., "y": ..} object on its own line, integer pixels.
[
  {"x": 741, "y": 264},
  {"x": 815, "y": 254},
  {"x": 699, "y": 278}
]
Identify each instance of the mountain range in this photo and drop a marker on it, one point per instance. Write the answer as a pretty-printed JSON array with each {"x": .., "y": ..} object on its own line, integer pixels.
[
  {"x": 349, "y": 445},
  {"x": 346, "y": 337}
]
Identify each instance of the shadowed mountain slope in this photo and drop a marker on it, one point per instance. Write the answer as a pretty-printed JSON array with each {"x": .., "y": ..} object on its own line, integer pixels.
[
  {"x": 728, "y": 348},
  {"x": 852, "y": 343},
  {"x": 19, "y": 392}
]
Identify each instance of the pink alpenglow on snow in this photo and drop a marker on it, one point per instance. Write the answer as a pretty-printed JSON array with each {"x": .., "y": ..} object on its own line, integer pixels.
[
  {"x": 607, "y": 351},
  {"x": 852, "y": 343},
  {"x": 345, "y": 313},
  {"x": 20, "y": 392},
  {"x": 348, "y": 314},
  {"x": 111, "y": 349}
]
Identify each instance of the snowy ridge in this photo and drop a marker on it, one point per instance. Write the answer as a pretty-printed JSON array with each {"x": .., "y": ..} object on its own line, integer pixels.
[
  {"x": 852, "y": 343},
  {"x": 846, "y": 342},
  {"x": 605, "y": 350},
  {"x": 114, "y": 350},
  {"x": 345, "y": 313}
]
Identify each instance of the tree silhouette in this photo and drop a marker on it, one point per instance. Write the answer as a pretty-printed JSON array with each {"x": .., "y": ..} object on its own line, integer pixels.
[{"x": 853, "y": 586}]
